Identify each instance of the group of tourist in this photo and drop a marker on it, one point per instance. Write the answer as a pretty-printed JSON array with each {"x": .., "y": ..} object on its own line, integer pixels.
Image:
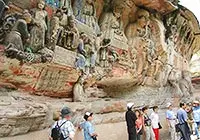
[
  {"x": 182, "y": 124},
  {"x": 63, "y": 129},
  {"x": 139, "y": 123}
]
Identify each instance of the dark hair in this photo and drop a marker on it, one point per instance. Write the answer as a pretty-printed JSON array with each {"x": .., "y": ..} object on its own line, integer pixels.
[
  {"x": 181, "y": 104},
  {"x": 154, "y": 108},
  {"x": 86, "y": 116},
  {"x": 144, "y": 108},
  {"x": 137, "y": 110},
  {"x": 59, "y": 11}
]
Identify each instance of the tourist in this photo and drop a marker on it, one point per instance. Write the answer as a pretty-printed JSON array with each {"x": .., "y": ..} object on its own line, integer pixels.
[
  {"x": 183, "y": 121},
  {"x": 66, "y": 127},
  {"x": 130, "y": 122},
  {"x": 88, "y": 128},
  {"x": 196, "y": 114},
  {"x": 155, "y": 120},
  {"x": 148, "y": 127},
  {"x": 171, "y": 121},
  {"x": 190, "y": 117},
  {"x": 139, "y": 124}
]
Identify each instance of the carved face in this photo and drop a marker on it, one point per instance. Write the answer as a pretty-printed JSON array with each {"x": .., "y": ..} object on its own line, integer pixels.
[
  {"x": 143, "y": 21},
  {"x": 89, "y": 1},
  {"x": 41, "y": 5}
]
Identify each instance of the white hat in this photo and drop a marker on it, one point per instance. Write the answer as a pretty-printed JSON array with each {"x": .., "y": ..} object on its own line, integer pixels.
[
  {"x": 168, "y": 104},
  {"x": 196, "y": 102},
  {"x": 130, "y": 105}
]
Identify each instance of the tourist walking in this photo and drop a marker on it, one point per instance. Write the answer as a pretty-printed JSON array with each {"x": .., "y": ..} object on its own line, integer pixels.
[
  {"x": 130, "y": 121},
  {"x": 149, "y": 134},
  {"x": 196, "y": 115},
  {"x": 183, "y": 121},
  {"x": 139, "y": 124},
  {"x": 171, "y": 121},
  {"x": 63, "y": 129},
  {"x": 155, "y": 120},
  {"x": 88, "y": 128}
]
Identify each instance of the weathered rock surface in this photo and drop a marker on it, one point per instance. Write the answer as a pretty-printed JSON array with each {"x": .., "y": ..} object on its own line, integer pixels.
[{"x": 20, "y": 115}]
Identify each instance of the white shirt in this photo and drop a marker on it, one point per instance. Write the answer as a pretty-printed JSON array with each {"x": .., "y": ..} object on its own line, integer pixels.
[
  {"x": 154, "y": 119},
  {"x": 67, "y": 128}
]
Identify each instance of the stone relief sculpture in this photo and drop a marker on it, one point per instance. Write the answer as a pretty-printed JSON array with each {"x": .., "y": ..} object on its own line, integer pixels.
[
  {"x": 68, "y": 5},
  {"x": 85, "y": 12},
  {"x": 39, "y": 32},
  {"x": 185, "y": 84},
  {"x": 71, "y": 35},
  {"x": 81, "y": 53},
  {"x": 111, "y": 24},
  {"x": 103, "y": 53},
  {"x": 139, "y": 38},
  {"x": 18, "y": 36},
  {"x": 143, "y": 58},
  {"x": 78, "y": 90}
]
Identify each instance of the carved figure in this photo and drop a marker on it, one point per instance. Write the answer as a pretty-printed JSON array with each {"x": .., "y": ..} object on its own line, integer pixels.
[
  {"x": 7, "y": 25},
  {"x": 15, "y": 40},
  {"x": 140, "y": 28},
  {"x": 39, "y": 31},
  {"x": 97, "y": 44},
  {"x": 71, "y": 35},
  {"x": 85, "y": 12},
  {"x": 81, "y": 52},
  {"x": 103, "y": 53},
  {"x": 78, "y": 90},
  {"x": 3, "y": 7},
  {"x": 67, "y": 4},
  {"x": 185, "y": 84},
  {"x": 59, "y": 24},
  {"x": 173, "y": 79},
  {"x": 139, "y": 37},
  {"x": 111, "y": 25},
  {"x": 18, "y": 38}
]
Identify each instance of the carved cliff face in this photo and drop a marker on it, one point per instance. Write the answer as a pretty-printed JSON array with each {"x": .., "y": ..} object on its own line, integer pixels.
[{"x": 112, "y": 40}]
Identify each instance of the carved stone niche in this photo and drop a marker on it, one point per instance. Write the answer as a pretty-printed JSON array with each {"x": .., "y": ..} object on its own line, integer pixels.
[{"x": 186, "y": 27}]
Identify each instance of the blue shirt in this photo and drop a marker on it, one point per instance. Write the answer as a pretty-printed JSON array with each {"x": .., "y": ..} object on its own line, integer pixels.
[
  {"x": 196, "y": 113},
  {"x": 182, "y": 116},
  {"x": 170, "y": 115},
  {"x": 88, "y": 130}
]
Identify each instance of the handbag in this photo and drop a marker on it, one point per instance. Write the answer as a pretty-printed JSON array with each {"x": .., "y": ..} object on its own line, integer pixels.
[{"x": 159, "y": 125}]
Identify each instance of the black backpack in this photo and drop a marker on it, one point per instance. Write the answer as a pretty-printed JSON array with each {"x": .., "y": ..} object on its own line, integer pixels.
[{"x": 56, "y": 133}]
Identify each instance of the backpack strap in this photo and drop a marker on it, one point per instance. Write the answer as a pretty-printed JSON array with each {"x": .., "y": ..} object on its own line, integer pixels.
[{"x": 59, "y": 126}]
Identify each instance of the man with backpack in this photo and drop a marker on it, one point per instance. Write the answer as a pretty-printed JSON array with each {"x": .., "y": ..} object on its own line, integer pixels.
[{"x": 63, "y": 129}]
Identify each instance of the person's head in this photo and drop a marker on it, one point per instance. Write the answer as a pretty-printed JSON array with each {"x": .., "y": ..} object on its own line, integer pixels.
[
  {"x": 88, "y": 116},
  {"x": 59, "y": 13},
  {"x": 143, "y": 17},
  {"x": 155, "y": 109},
  {"x": 56, "y": 115},
  {"x": 138, "y": 113},
  {"x": 26, "y": 16},
  {"x": 145, "y": 109},
  {"x": 66, "y": 113},
  {"x": 72, "y": 21},
  {"x": 169, "y": 106},
  {"x": 195, "y": 103},
  {"x": 182, "y": 105},
  {"x": 130, "y": 106},
  {"x": 41, "y": 4},
  {"x": 64, "y": 9}
]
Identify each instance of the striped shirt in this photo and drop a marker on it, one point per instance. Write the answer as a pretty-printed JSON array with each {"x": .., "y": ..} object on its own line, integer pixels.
[{"x": 67, "y": 128}]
